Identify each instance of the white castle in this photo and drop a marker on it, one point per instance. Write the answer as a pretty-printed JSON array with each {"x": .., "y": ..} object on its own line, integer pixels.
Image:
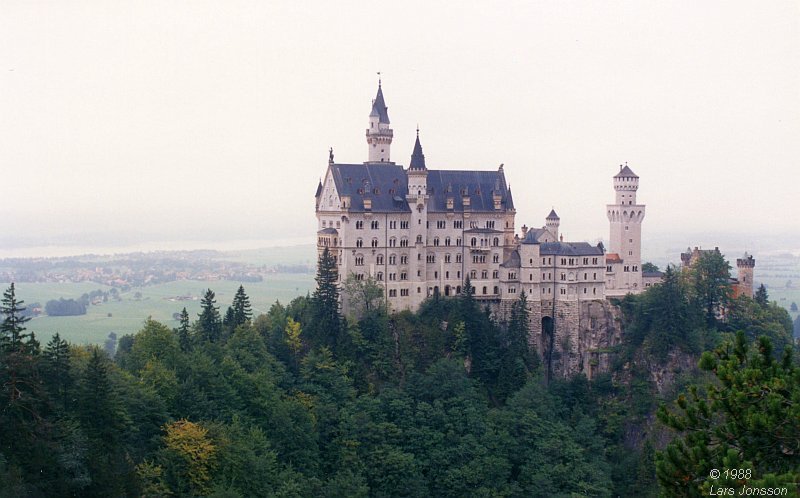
[{"x": 420, "y": 232}]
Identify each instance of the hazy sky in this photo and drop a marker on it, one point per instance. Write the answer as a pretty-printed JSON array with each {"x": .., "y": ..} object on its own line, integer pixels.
[{"x": 128, "y": 122}]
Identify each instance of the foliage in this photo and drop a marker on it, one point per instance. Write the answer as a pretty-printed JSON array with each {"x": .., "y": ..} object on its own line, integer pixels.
[
  {"x": 649, "y": 267},
  {"x": 748, "y": 419},
  {"x": 325, "y": 327},
  {"x": 209, "y": 322},
  {"x": 64, "y": 307},
  {"x": 710, "y": 278}
]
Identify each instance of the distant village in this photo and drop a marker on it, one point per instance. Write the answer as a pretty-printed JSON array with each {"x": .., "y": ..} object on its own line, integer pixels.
[{"x": 127, "y": 271}]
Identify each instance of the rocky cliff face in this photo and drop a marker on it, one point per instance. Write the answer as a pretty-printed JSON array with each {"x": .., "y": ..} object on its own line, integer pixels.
[{"x": 572, "y": 337}]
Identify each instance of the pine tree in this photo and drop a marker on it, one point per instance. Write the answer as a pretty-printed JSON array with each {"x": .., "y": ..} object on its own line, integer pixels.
[
  {"x": 209, "y": 319},
  {"x": 241, "y": 308},
  {"x": 184, "y": 339},
  {"x": 326, "y": 323},
  {"x": 12, "y": 329},
  {"x": 748, "y": 419}
]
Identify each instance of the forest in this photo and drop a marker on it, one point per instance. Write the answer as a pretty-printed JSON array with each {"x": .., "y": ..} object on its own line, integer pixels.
[{"x": 448, "y": 401}]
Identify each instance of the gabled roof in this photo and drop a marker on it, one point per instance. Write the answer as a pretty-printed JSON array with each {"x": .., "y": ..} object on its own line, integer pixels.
[
  {"x": 385, "y": 184},
  {"x": 626, "y": 172},
  {"x": 379, "y": 107},
  {"x": 569, "y": 249}
]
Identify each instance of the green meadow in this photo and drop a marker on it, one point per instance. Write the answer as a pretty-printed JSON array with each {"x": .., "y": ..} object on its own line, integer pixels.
[{"x": 128, "y": 315}]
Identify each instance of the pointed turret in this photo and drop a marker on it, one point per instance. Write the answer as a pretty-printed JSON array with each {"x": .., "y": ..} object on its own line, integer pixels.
[
  {"x": 552, "y": 223},
  {"x": 379, "y": 108},
  {"x": 417, "y": 157},
  {"x": 379, "y": 135}
]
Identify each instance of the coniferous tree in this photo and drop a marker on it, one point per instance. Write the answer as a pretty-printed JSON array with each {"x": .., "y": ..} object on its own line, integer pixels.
[
  {"x": 209, "y": 320},
  {"x": 242, "y": 313},
  {"x": 326, "y": 324},
  {"x": 57, "y": 374},
  {"x": 761, "y": 296},
  {"x": 105, "y": 422},
  {"x": 184, "y": 339},
  {"x": 13, "y": 327},
  {"x": 711, "y": 284},
  {"x": 517, "y": 360},
  {"x": 745, "y": 420}
]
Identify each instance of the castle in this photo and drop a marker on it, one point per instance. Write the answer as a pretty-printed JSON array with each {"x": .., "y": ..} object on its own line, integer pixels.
[{"x": 420, "y": 232}]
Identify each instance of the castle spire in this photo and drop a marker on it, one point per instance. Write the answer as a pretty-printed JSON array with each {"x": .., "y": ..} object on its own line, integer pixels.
[{"x": 417, "y": 157}]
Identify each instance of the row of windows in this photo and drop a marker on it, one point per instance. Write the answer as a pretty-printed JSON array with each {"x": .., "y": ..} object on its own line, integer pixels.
[
  {"x": 440, "y": 224},
  {"x": 626, "y": 268},
  {"x": 574, "y": 261},
  {"x": 325, "y": 224}
]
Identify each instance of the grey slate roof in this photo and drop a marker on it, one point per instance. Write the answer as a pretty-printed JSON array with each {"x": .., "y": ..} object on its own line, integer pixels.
[
  {"x": 532, "y": 237},
  {"x": 626, "y": 172},
  {"x": 653, "y": 274},
  {"x": 417, "y": 157},
  {"x": 386, "y": 184},
  {"x": 479, "y": 185},
  {"x": 553, "y": 215},
  {"x": 513, "y": 261},
  {"x": 328, "y": 231},
  {"x": 569, "y": 249},
  {"x": 379, "y": 107}
]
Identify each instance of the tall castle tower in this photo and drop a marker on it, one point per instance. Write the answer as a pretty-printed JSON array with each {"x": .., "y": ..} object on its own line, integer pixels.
[
  {"x": 745, "y": 267},
  {"x": 379, "y": 135},
  {"x": 625, "y": 240}
]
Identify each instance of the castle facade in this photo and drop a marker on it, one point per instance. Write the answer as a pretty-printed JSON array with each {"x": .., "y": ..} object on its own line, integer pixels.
[{"x": 420, "y": 232}]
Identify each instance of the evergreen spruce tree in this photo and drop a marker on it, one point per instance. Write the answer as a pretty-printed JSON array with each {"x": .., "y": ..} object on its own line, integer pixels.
[
  {"x": 12, "y": 329},
  {"x": 209, "y": 320},
  {"x": 105, "y": 424},
  {"x": 242, "y": 313},
  {"x": 57, "y": 374},
  {"x": 761, "y": 296},
  {"x": 326, "y": 324},
  {"x": 517, "y": 361},
  {"x": 184, "y": 337}
]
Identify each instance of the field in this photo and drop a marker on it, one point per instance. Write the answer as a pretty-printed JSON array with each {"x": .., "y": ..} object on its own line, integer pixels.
[{"x": 128, "y": 315}]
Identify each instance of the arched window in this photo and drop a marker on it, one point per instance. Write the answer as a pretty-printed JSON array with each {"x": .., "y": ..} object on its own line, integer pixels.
[
  {"x": 496, "y": 290},
  {"x": 496, "y": 241},
  {"x": 484, "y": 290},
  {"x": 473, "y": 274},
  {"x": 359, "y": 242},
  {"x": 473, "y": 241},
  {"x": 436, "y": 241},
  {"x": 447, "y": 241},
  {"x": 379, "y": 276}
]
